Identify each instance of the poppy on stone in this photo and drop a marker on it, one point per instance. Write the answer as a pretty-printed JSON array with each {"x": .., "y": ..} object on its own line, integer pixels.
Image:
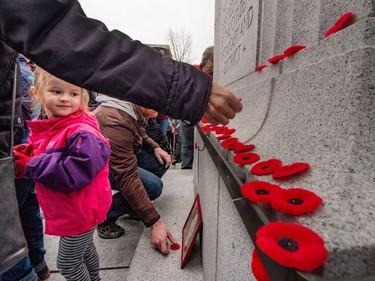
[
  {"x": 289, "y": 170},
  {"x": 229, "y": 143},
  {"x": 223, "y": 137},
  {"x": 343, "y": 22},
  {"x": 246, "y": 158},
  {"x": 259, "y": 191},
  {"x": 240, "y": 147},
  {"x": 295, "y": 201},
  {"x": 292, "y": 245},
  {"x": 258, "y": 268},
  {"x": 260, "y": 67},
  {"x": 276, "y": 59},
  {"x": 266, "y": 167},
  {"x": 293, "y": 49}
]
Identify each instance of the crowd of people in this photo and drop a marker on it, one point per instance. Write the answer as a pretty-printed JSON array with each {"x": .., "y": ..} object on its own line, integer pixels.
[{"x": 67, "y": 157}]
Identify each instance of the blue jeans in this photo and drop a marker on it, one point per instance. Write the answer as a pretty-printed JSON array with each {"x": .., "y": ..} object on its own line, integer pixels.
[
  {"x": 150, "y": 171},
  {"x": 187, "y": 146},
  {"x": 32, "y": 226},
  {"x": 164, "y": 124}
]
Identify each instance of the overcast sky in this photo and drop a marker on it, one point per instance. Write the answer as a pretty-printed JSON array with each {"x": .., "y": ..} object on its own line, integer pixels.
[{"x": 149, "y": 20}]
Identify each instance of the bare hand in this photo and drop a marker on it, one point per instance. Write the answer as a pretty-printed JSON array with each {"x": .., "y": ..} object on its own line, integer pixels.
[
  {"x": 162, "y": 156},
  {"x": 222, "y": 105},
  {"x": 159, "y": 235}
]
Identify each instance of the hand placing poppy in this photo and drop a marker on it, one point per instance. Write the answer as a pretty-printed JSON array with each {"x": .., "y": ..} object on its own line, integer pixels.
[
  {"x": 295, "y": 201},
  {"x": 246, "y": 158},
  {"x": 276, "y": 59},
  {"x": 343, "y": 22},
  {"x": 292, "y": 245},
  {"x": 260, "y": 67},
  {"x": 175, "y": 246},
  {"x": 258, "y": 269},
  {"x": 240, "y": 147},
  {"x": 259, "y": 191},
  {"x": 289, "y": 170},
  {"x": 266, "y": 167},
  {"x": 293, "y": 49}
]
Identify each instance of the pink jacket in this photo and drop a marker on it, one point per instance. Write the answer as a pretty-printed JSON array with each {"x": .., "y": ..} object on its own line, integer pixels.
[{"x": 71, "y": 172}]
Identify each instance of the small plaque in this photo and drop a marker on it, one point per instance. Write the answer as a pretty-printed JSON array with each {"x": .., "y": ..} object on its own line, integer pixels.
[{"x": 192, "y": 227}]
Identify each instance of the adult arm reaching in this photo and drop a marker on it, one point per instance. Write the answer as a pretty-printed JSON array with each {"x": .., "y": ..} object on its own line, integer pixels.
[{"x": 59, "y": 37}]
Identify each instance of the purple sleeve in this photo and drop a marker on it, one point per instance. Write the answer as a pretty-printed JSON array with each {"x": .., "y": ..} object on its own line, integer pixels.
[{"x": 72, "y": 168}]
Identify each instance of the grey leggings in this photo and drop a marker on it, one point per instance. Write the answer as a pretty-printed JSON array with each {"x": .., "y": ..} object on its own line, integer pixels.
[{"x": 77, "y": 258}]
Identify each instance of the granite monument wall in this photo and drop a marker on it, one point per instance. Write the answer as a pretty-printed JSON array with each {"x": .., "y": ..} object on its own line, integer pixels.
[{"x": 316, "y": 106}]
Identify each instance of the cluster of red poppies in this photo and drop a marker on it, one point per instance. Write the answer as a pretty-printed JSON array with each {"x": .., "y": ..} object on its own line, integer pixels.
[
  {"x": 287, "y": 244},
  {"x": 343, "y": 22}
]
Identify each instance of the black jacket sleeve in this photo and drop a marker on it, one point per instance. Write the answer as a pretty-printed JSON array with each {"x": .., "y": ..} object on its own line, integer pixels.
[{"x": 57, "y": 35}]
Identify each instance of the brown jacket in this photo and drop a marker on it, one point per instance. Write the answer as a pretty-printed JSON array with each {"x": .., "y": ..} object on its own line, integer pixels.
[{"x": 127, "y": 137}]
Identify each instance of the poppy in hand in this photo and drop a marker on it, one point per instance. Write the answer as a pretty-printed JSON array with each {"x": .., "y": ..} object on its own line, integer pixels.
[{"x": 292, "y": 245}]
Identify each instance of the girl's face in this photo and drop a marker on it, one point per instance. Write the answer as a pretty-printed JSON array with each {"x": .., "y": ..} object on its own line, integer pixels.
[{"x": 60, "y": 98}]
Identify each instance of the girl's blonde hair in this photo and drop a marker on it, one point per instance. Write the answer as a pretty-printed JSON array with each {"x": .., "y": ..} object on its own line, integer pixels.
[{"x": 41, "y": 80}]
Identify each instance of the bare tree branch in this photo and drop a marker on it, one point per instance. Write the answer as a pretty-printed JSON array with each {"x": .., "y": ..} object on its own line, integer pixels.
[{"x": 180, "y": 43}]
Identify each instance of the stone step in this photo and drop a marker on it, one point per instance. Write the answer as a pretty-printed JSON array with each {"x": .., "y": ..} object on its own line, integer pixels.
[{"x": 174, "y": 206}]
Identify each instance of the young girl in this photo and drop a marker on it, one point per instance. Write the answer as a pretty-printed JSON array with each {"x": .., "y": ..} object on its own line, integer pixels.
[{"x": 69, "y": 163}]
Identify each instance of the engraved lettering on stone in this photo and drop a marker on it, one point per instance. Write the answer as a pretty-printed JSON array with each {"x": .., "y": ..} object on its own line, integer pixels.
[{"x": 238, "y": 17}]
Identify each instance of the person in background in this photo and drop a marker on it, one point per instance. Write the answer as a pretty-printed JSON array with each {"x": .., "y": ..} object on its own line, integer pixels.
[
  {"x": 163, "y": 122},
  {"x": 62, "y": 39},
  {"x": 32, "y": 266},
  {"x": 67, "y": 157},
  {"x": 187, "y": 131},
  {"x": 137, "y": 163}
]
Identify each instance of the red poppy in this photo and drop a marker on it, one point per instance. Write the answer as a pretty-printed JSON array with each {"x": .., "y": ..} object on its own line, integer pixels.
[
  {"x": 258, "y": 269},
  {"x": 246, "y": 158},
  {"x": 295, "y": 201},
  {"x": 229, "y": 143},
  {"x": 286, "y": 171},
  {"x": 240, "y": 99},
  {"x": 240, "y": 147},
  {"x": 292, "y": 245},
  {"x": 223, "y": 137},
  {"x": 266, "y": 167},
  {"x": 343, "y": 22},
  {"x": 175, "y": 246},
  {"x": 219, "y": 129},
  {"x": 260, "y": 67},
  {"x": 259, "y": 191},
  {"x": 204, "y": 120},
  {"x": 227, "y": 131},
  {"x": 293, "y": 49},
  {"x": 276, "y": 59},
  {"x": 196, "y": 145},
  {"x": 206, "y": 129}
]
